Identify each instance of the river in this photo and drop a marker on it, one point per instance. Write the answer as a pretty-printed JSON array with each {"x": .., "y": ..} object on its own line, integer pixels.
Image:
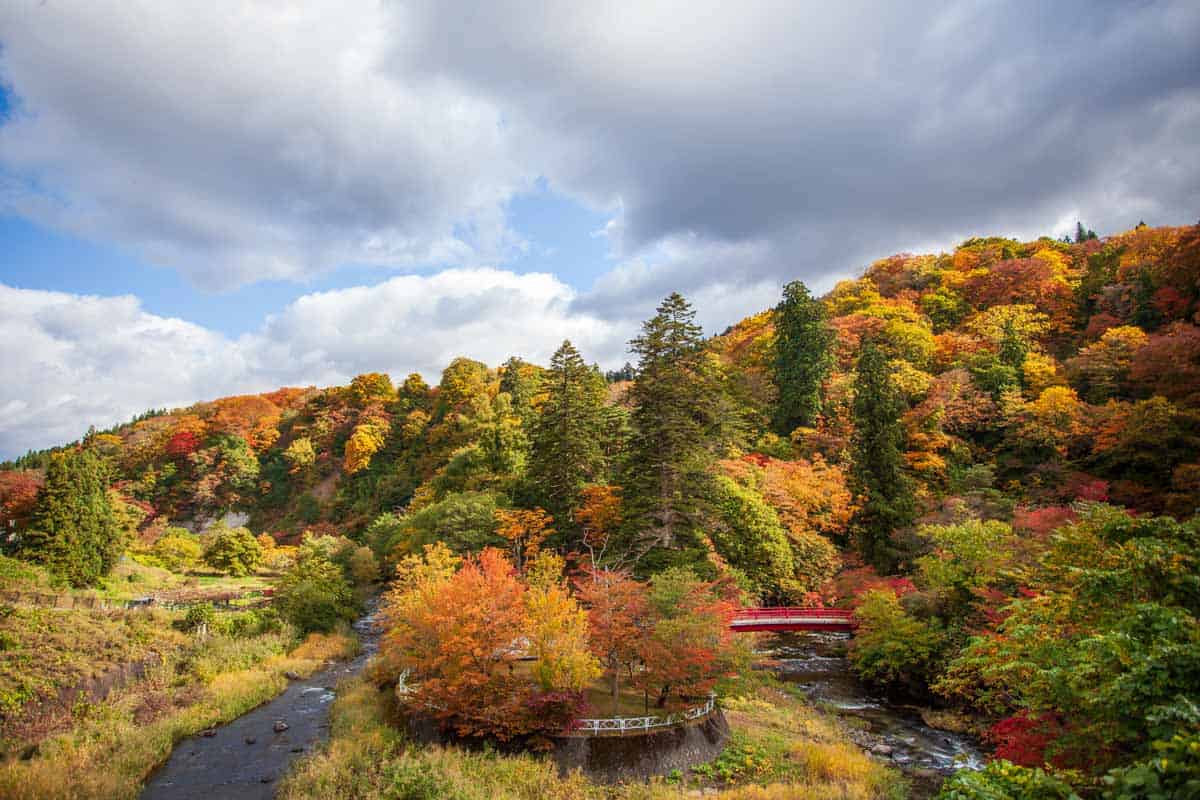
[
  {"x": 243, "y": 759},
  {"x": 816, "y": 662}
]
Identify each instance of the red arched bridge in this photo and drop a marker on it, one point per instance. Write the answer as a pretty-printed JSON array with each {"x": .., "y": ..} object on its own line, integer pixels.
[{"x": 793, "y": 619}]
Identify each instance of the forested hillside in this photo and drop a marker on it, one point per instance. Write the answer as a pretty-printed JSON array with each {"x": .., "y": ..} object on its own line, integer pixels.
[{"x": 992, "y": 454}]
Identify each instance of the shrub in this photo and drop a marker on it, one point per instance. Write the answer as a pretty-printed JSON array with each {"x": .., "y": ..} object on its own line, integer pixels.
[
  {"x": 892, "y": 648},
  {"x": 313, "y": 595},
  {"x": 1172, "y": 771},
  {"x": 363, "y": 567},
  {"x": 252, "y": 622},
  {"x": 1002, "y": 780},
  {"x": 384, "y": 533},
  {"x": 178, "y": 549},
  {"x": 199, "y": 615},
  {"x": 233, "y": 550}
]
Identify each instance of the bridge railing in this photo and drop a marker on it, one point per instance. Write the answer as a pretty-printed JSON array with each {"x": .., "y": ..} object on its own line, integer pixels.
[
  {"x": 621, "y": 725},
  {"x": 792, "y": 611}
]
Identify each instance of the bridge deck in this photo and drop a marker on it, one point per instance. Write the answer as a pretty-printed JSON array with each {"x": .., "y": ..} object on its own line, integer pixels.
[{"x": 793, "y": 619}]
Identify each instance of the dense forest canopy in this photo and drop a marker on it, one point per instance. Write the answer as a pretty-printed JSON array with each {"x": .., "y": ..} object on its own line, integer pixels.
[{"x": 993, "y": 454}]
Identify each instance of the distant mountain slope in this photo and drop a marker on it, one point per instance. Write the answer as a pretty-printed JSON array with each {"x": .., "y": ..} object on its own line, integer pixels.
[{"x": 1045, "y": 370}]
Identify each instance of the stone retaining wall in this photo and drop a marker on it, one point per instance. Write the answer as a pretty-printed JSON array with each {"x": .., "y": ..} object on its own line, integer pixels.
[{"x": 612, "y": 759}]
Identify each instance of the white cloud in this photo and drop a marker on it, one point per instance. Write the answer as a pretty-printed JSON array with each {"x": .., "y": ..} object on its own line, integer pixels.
[
  {"x": 245, "y": 141},
  {"x": 71, "y": 361}
]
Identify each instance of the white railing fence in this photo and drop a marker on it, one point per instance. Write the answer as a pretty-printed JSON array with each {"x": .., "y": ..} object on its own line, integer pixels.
[{"x": 620, "y": 725}]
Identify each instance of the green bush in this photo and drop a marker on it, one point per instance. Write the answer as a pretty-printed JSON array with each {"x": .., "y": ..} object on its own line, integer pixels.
[
  {"x": 313, "y": 595},
  {"x": 233, "y": 550},
  {"x": 252, "y": 622},
  {"x": 1003, "y": 780},
  {"x": 1172, "y": 771},
  {"x": 893, "y": 649},
  {"x": 201, "y": 614}
]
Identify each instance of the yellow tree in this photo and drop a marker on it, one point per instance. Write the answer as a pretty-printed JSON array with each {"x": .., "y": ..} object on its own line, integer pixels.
[
  {"x": 368, "y": 436},
  {"x": 300, "y": 454},
  {"x": 558, "y": 637},
  {"x": 372, "y": 387},
  {"x": 1052, "y": 421},
  {"x": 599, "y": 516}
]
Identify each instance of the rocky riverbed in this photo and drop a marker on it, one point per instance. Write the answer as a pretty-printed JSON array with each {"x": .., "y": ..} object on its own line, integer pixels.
[{"x": 816, "y": 662}]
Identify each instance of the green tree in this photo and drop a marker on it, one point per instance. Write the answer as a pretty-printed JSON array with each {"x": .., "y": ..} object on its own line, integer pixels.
[
  {"x": 566, "y": 452},
  {"x": 519, "y": 380},
  {"x": 892, "y": 648},
  {"x": 466, "y": 521},
  {"x": 313, "y": 595},
  {"x": 886, "y": 492},
  {"x": 666, "y": 475},
  {"x": 73, "y": 530},
  {"x": 747, "y": 534},
  {"x": 803, "y": 358},
  {"x": 232, "y": 550},
  {"x": 384, "y": 533}
]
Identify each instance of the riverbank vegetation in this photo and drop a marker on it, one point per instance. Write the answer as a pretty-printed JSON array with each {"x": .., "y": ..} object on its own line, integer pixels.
[
  {"x": 990, "y": 454},
  {"x": 107, "y": 749}
]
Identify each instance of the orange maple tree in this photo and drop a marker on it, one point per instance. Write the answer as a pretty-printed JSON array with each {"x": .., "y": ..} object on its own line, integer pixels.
[
  {"x": 618, "y": 618},
  {"x": 525, "y": 529}
]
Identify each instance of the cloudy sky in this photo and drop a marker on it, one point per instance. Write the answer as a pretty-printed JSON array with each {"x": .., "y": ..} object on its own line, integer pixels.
[{"x": 204, "y": 198}]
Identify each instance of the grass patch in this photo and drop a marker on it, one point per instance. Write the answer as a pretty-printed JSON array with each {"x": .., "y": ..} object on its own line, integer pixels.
[
  {"x": 114, "y": 746},
  {"x": 778, "y": 738}
]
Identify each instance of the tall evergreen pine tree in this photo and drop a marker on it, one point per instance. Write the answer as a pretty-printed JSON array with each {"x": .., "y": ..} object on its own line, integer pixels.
[
  {"x": 803, "y": 357},
  {"x": 73, "y": 531},
  {"x": 665, "y": 478},
  {"x": 566, "y": 451},
  {"x": 887, "y": 499}
]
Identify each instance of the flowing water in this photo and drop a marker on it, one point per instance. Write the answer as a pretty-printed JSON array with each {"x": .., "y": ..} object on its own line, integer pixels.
[
  {"x": 816, "y": 662},
  {"x": 243, "y": 759}
]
